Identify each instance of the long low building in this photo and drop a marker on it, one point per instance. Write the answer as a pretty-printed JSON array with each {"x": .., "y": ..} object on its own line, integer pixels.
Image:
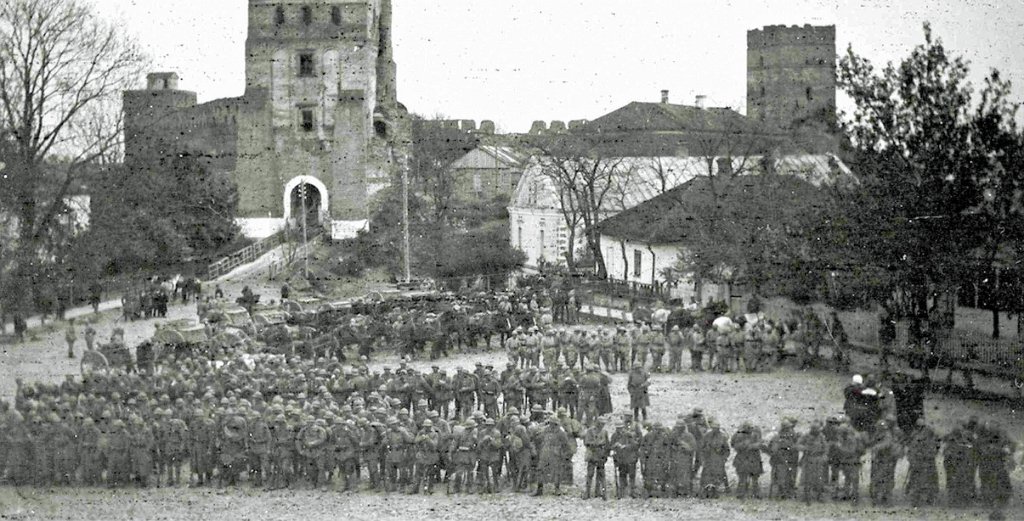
[{"x": 643, "y": 245}]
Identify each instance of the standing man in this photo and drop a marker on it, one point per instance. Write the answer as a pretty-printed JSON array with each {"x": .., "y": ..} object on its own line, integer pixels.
[
  {"x": 639, "y": 381},
  {"x": 90, "y": 337},
  {"x": 675, "y": 342},
  {"x": 70, "y": 336},
  {"x": 598, "y": 445},
  {"x": 625, "y": 444}
]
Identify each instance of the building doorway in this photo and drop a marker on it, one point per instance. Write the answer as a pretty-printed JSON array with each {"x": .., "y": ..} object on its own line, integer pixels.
[
  {"x": 305, "y": 202},
  {"x": 306, "y": 197}
]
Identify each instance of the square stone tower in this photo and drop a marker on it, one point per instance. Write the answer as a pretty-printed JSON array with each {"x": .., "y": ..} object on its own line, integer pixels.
[
  {"x": 317, "y": 130},
  {"x": 325, "y": 74},
  {"x": 791, "y": 76}
]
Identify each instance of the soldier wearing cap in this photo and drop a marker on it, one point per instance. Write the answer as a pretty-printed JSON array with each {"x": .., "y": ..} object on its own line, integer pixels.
[
  {"x": 598, "y": 446},
  {"x": 637, "y": 384},
  {"x": 463, "y": 456},
  {"x": 675, "y": 342},
  {"x": 714, "y": 452},
  {"x": 202, "y": 436},
  {"x": 814, "y": 463},
  {"x": 489, "y": 388},
  {"x": 490, "y": 450},
  {"x": 141, "y": 447},
  {"x": 698, "y": 344},
  {"x": 747, "y": 444},
  {"x": 550, "y": 348},
  {"x": 464, "y": 385},
  {"x": 427, "y": 447},
  {"x": 886, "y": 451},
  {"x": 683, "y": 445},
  {"x": 784, "y": 458},
  {"x": 625, "y": 445},
  {"x": 117, "y": 454},
  {"x": 398, "y": 460}
]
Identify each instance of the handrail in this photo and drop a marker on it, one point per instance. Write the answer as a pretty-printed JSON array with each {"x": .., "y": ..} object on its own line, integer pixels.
[{"x": 244, "y": 256}]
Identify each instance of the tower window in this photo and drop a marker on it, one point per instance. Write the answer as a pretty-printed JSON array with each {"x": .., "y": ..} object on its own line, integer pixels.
[
  {"x": 307, "y": 15},
  {"x": 810, "y": 96},
  {"x": 762, "y": 62},
  {"x": 638, "y": 258},
  {"x": 336, "y": 15},
  {"x": 762, "y": 90},
  {"x": 381, "y": 129},
  {"x": 307, "y": 120},
  {"x": 306, "y": 64},
  {"x": 279, "y": 15}
]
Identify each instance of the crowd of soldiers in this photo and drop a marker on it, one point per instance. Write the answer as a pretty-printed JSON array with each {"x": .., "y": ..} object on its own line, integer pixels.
[{"x": 282, "y": 422}]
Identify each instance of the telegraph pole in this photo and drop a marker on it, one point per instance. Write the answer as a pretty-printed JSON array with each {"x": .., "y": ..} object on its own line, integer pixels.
[{"x": 303, "y": 190}]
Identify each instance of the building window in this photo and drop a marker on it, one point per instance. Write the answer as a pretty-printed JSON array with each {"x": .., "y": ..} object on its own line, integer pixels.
[
  {"x": 762, "y": 90},
  {"x": 478, "y": 184},
  {"x": 307, "y": 120},
  {"x": 381, "y": 129},
  {"x": 519, "y": 239},
  {"x": 810, "y": 97},
  {"x": 336, "y": 15},
  {"x": 306, "y": 64},
  {"x": 307, "y": 15},
  {"x": 279, "y": 15},
  {"x": 638, "y": 257}
]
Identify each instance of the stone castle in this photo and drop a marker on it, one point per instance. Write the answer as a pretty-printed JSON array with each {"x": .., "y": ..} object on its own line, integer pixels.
[{"x": 318, "y": 127}]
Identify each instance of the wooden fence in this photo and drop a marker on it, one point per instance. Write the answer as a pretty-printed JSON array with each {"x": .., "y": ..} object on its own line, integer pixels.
[{"x": 244, "y": 256}]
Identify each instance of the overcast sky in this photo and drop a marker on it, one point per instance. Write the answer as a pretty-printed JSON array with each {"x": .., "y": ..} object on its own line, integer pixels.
[{"x": 515, "y": 61}]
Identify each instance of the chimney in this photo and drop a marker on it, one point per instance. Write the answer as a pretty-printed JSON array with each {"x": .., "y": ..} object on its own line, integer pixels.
[
  {"x": 664, "y": 96},
  {"x": 701, "y": 99}
]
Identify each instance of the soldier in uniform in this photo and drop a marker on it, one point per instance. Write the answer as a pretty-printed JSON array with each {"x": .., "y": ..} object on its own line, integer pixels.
[
  {"x": 747, "y": 444},
  {"x": 231, "y": 447},
  {"x": 490, "y": 447},
  {"x": 89, "y": 450},
  {"x": 813, "y": 463},
  {"x": 174, "y": 439},
  {"x": 65, "y": 450},
  {"x": 371, "y": 443},
  {"x": 427, "y": 446},
  {"x": 623, "y": 348},
  {"x": 784, "y": 457},
  {"x": 625, "y": 443},
  {"x": 489, "y": 388},
  {"x": 202, "y": 433},
  {"x": 465, "y": 391},
  {"x": 697, "y": 347},
  {"x": 675, "y": 341},
  {"x": 259, "y": 443},
  {"x": 658, "y": 346},
  {"x": 345, "y": 440},
  {"x": 639, "y": 381},
  {"x": 118, "y": 445},
  {"x": 399, "y": 440},
  {"x": 886, "y": 451},
  {"x": 714, "y": 452},
  {"x": 549, "y": 348},
  {"x": 598, "y": 446},
  {"x": 570, "y": 347},
  {"x": 849, "y": 447},
  {"x": 683, "y": 446},
  {"x": 141, "y": 442},
  {"x": 554, "y": 445},
  {"x": 995, "y": 453},
  {"x": 463, "y": 456}
]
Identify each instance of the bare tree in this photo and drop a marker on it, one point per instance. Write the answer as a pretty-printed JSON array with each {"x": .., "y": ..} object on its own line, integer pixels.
[
  {"x": 583, "y": 178},
  {"x": 62, "y": 72}
]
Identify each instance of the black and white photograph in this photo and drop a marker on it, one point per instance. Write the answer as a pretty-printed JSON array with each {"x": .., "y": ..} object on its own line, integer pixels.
[{"x": 511, "y": 259}]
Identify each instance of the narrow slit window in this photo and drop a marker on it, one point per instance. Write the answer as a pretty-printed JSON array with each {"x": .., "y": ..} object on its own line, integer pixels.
[
  {"x": 307, "y": 120},
  {"x": 307, "y": 15},
  {"x": 336, "y": 15},
  {"x": 638, "y": 258},
  {"x": 306, "y": 64},
  {"x": 279, "y": 15},
  {"x": 810, "y": 95}
]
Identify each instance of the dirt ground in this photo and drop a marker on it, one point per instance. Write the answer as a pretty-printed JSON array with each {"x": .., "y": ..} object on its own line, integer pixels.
[{"x": 731, "y": 398}]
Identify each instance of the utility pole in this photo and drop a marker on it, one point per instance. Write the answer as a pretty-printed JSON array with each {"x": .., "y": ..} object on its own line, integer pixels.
[
  {"x": 303, "y": 190},
  {"x": 405, "y": 216}
]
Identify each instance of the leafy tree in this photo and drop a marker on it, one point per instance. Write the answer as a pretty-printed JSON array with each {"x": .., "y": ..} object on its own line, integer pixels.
[
  {"x": 162, "y": 211},
  {"x": 914, "y": 229}
]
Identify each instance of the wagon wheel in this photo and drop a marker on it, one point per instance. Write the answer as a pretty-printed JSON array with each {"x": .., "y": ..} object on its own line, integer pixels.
[{"x": 92, "y": 359}]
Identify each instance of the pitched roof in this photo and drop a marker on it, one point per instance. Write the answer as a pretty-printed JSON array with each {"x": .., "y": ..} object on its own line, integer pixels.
[
  {"x": 654, "y": 117},
  {"x": 490, "y": 156},
  {"x": 672, "y": 216}
]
